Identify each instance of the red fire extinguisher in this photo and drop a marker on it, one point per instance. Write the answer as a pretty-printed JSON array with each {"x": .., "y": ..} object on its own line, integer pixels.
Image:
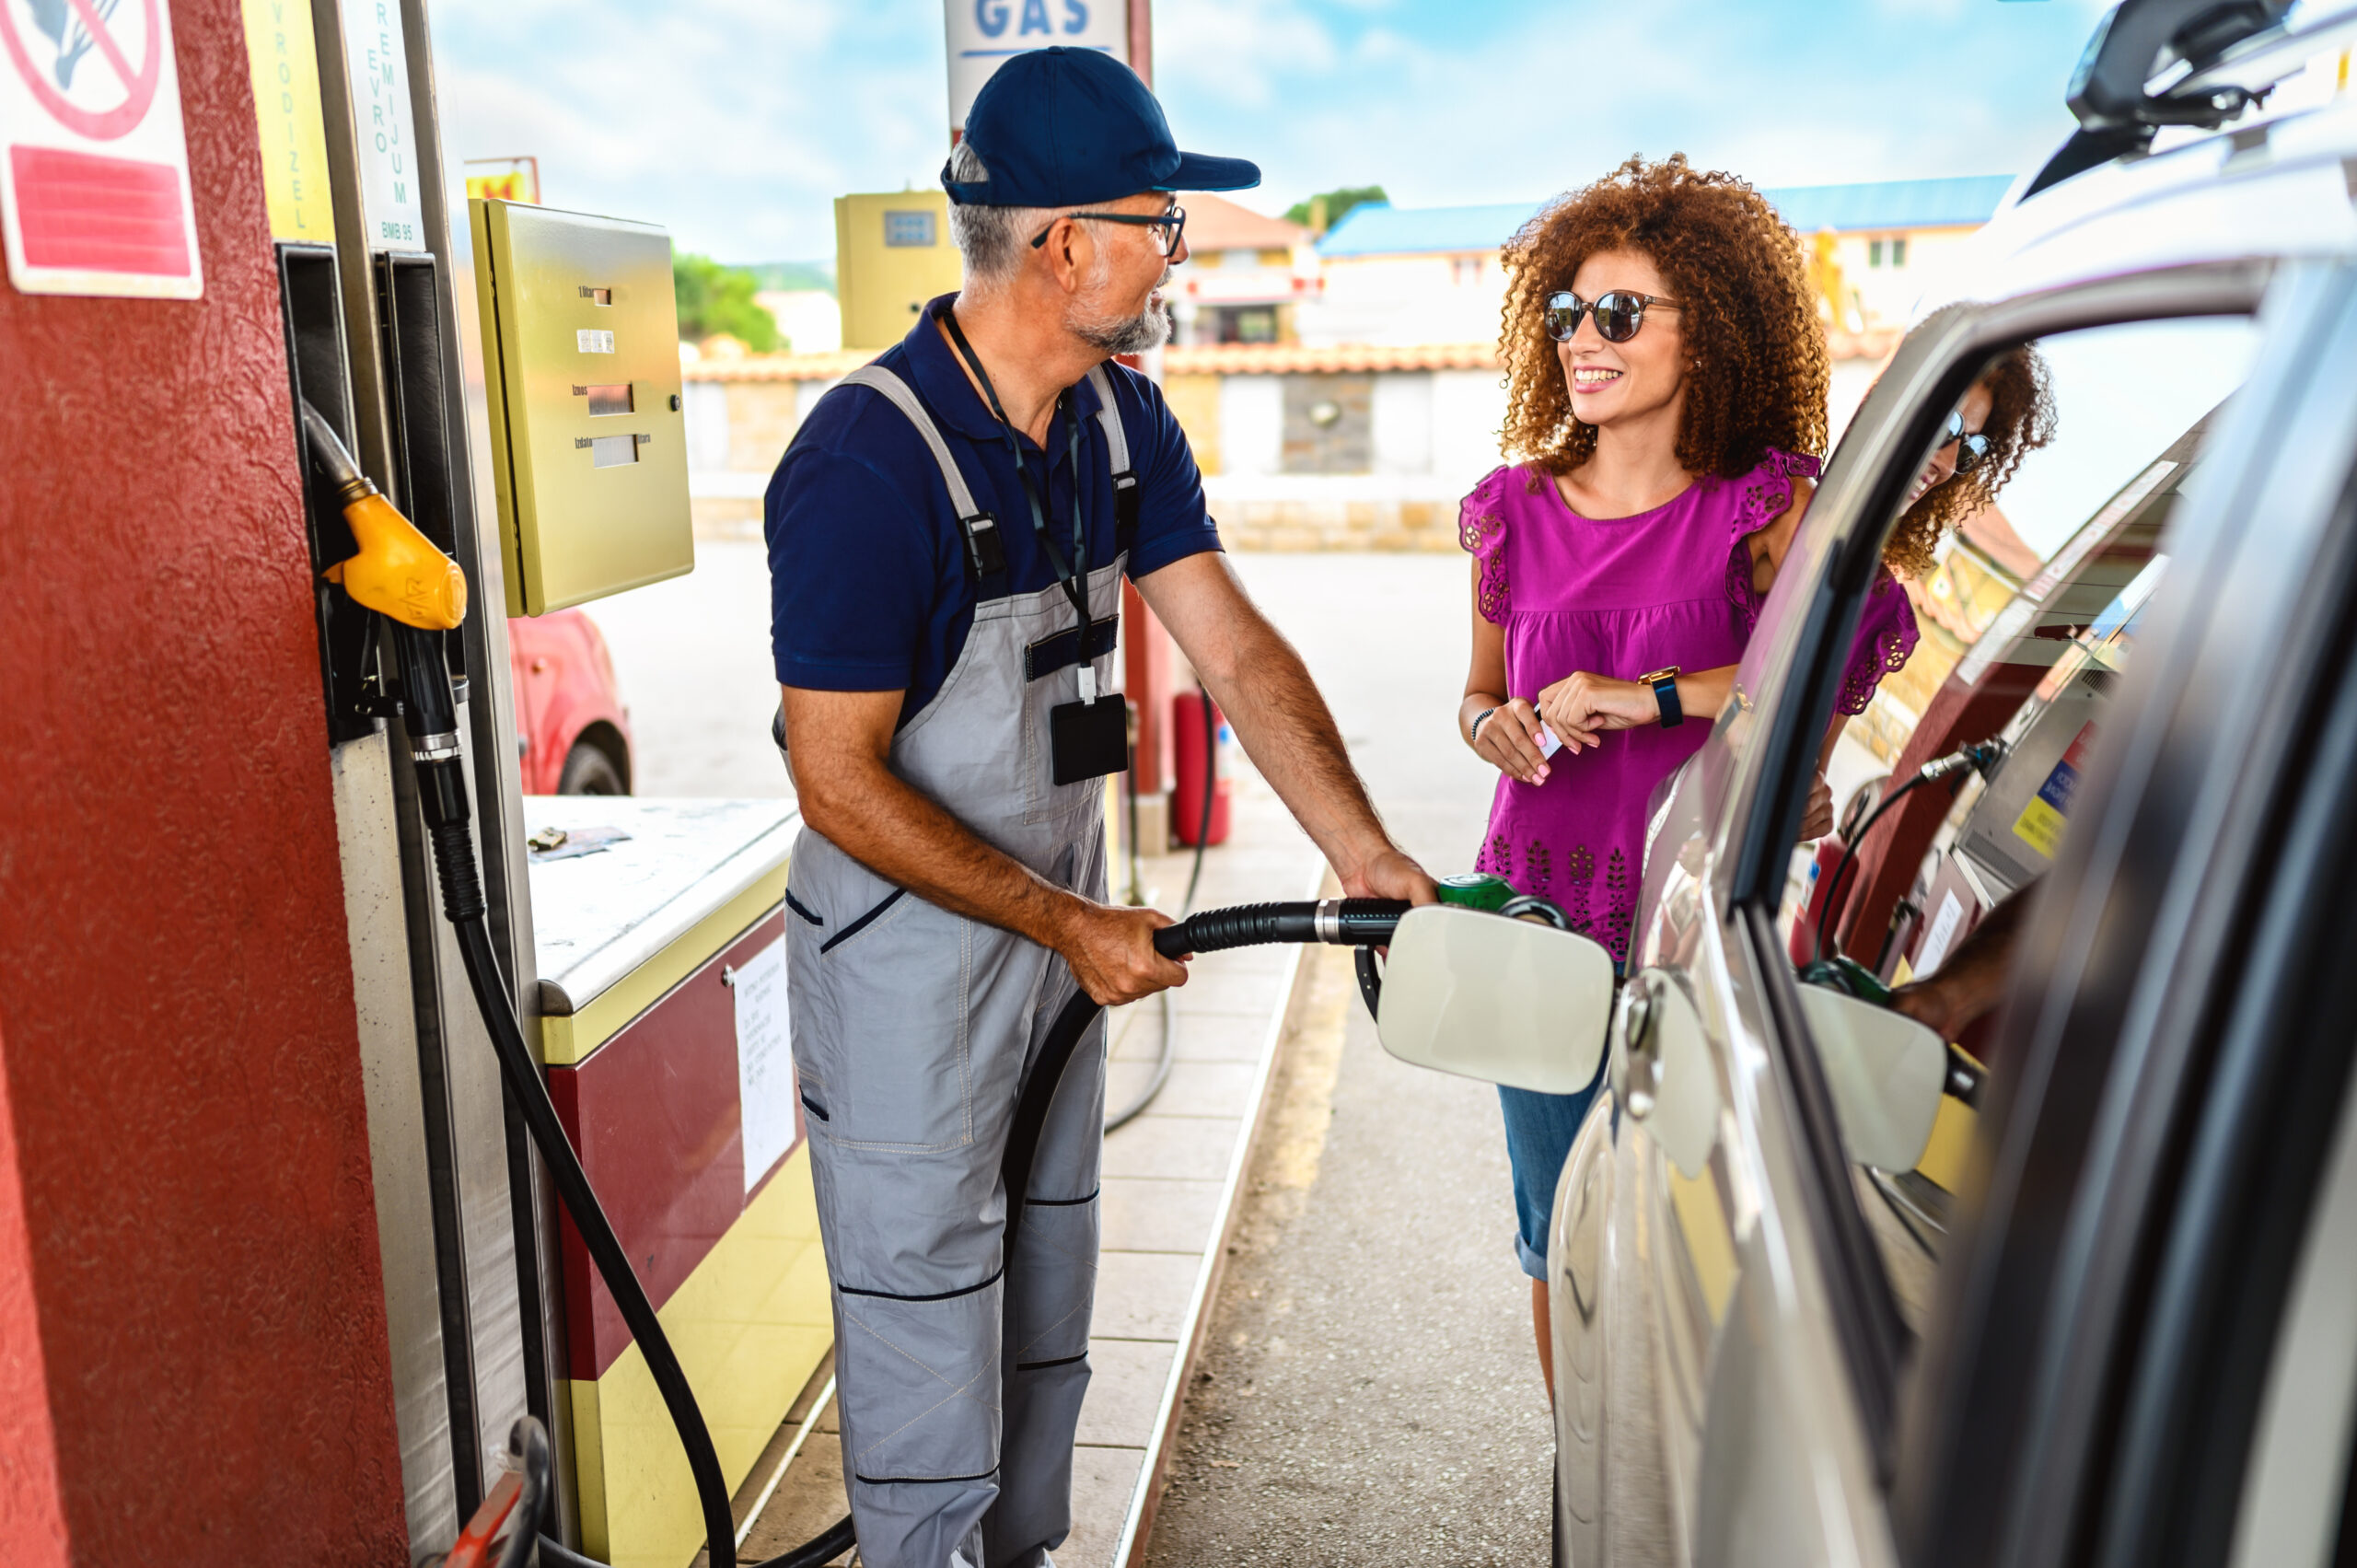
[{"x": 1203, "y": 739}]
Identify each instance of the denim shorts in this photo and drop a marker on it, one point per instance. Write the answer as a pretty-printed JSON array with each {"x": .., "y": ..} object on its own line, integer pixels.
[{"x": 1539, "y": 1130}]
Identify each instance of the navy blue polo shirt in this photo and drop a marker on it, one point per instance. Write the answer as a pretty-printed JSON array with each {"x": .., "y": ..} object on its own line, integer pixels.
[{"x": 868, "y": 588}]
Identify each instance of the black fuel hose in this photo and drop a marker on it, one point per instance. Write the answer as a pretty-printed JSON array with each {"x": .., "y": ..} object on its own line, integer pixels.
[
  {"x": 1984, "y": 758},
  {"x": 462, "y": 904},
  {"x": 528, "y": 1443},
  {"x": 1336, "y": 922}
]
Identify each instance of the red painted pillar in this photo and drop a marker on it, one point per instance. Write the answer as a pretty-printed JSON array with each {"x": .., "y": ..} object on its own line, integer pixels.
[
  {"x": 32, "y": 1512},
  {"x": 192, "y": 1306}
]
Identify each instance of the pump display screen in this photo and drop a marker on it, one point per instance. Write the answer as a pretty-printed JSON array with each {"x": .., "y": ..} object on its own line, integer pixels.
[
  {"x": 613, "y": 451},
  {"x": 612, "y": 398}
]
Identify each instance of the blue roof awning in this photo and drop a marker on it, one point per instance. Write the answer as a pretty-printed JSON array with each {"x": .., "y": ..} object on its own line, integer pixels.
[
  {"x": 1370, "y": 230},
  {"x": 1893, "y": 204}
]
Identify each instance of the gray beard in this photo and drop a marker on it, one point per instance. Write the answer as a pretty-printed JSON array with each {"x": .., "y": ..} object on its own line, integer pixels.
[{"x": 1149, "y": 329}]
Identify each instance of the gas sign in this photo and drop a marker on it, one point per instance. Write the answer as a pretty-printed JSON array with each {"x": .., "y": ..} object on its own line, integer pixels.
[
  {"x": 985, "y": 33},
  {"x": 93, "y": 187}
]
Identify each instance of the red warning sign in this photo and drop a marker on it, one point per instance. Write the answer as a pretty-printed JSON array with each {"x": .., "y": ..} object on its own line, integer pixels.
[{"x": 93, "y": 188}]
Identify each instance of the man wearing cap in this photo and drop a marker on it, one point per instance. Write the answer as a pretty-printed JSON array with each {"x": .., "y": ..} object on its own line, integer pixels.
[{"x": 948, "y": 535}]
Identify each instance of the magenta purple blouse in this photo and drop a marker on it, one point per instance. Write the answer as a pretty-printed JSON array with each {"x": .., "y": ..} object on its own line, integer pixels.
[{"x": 1620, "y": 597}]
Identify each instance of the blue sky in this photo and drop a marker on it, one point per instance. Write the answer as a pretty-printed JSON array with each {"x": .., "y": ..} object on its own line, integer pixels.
[{"x": 735, "y": 123}]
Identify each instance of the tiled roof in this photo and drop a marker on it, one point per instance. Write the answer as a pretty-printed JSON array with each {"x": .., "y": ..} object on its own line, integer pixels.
[
  {"x": 1372, "y": 230},
  {"x": 1216, "y": 223},
  {"x": 1989, "y": 531},
  {"x": 1376, "y": 228},
  {"x": 1303, "y": 359},
  {"x": 1893, "y": 204}
]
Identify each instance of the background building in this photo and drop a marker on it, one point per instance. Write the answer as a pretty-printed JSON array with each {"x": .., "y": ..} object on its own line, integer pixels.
[
  {"x": 1245, "y": 275},
  {"x": 1343, "y": 392}
]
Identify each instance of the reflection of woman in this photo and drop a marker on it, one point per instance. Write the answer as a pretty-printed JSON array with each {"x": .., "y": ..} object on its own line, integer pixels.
[
  {"x": 2005, "y": 416},
  {"x": 1667, "y": 382}
]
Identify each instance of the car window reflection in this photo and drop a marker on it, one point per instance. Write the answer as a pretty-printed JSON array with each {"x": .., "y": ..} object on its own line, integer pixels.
[{"x": 2030, "y": 614}]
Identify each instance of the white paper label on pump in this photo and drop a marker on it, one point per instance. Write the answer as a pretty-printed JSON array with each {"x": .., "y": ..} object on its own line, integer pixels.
[
  {"x": 1942, "y": 932},
  {"x": 765, "y": 1088}
]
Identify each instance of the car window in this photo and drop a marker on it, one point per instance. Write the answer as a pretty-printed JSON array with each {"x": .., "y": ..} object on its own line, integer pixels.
[{"x": 2024, "y": 621}]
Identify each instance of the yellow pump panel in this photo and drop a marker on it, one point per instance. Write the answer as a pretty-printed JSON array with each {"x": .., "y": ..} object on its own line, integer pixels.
[
  {"x": 892, "y": 253},
  {"x": 581, "y": 365}
]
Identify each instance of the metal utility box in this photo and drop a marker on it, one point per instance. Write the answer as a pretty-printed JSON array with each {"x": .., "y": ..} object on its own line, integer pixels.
[
  {"x": 892, "y": 253},
  {"x": 581, "y": 367},
  {"x": 663, "y": 1027}
]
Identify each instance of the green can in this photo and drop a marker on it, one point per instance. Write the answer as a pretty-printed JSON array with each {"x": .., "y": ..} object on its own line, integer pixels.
[{"x": 1475, "y": 889}]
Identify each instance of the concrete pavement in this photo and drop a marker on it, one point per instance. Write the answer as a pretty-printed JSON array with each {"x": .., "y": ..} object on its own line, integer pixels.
[{"x": 1370, "y": 1392}]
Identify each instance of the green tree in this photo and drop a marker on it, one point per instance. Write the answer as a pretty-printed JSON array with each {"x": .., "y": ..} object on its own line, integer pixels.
[
  {"x": 714, "y": 298},
  {"x": 1336, "y": 204}
]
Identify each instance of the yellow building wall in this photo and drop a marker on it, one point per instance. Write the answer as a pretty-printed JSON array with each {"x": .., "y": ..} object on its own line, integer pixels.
[{"x": 1194, "y": 401}]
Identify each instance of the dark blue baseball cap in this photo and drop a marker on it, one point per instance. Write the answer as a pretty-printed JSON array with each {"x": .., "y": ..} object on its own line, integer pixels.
[{"x": 1067, "y": 127}]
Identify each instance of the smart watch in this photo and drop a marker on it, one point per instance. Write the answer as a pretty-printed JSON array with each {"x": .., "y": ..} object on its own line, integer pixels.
[{"x": 1664, "y": 685}]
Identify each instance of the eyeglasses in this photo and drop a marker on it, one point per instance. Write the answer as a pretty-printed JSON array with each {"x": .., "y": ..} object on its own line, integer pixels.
[
  {"x": 1618, "y": 314},
  {"x": 1168, "y": 226},
  {"x": 1969, "y": 450}
]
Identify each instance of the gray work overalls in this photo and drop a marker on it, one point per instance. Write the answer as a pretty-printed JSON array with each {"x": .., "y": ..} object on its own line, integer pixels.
[{"x": 960, "y": 1372}]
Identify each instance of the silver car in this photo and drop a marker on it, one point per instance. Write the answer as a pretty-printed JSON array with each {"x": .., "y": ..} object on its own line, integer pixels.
[{"x": 1827, "y": 1288}]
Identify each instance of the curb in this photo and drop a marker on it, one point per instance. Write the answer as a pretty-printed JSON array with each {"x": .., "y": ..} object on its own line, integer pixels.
[{"x": 1138, "y": 1527}]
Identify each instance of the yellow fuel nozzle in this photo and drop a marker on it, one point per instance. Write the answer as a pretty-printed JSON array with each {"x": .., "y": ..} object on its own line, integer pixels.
[{"x": 398, "y": 571}]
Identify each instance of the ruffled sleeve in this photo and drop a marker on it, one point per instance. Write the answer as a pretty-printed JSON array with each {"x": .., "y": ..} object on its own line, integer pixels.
[
  {"x": 1481, "y": 529},
  {"x": 1762, "y": 497},
  {"x": 1886, "y": 635}
]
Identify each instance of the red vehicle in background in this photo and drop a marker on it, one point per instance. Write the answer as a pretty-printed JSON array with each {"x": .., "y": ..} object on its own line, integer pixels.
[{"x": 572, "y": 733}]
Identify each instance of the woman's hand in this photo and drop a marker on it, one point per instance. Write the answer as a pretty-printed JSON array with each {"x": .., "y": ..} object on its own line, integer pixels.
[
  {"x": 1583, "y": 705},
  {"x": 1818, "y": 820},
  {"x": 1508, "y": 741}
]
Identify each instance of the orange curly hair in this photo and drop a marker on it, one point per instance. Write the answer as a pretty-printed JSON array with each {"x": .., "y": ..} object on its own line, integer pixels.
[
  {"x": 2021, "y": 419},
  {"x": 1749, "y": 317}
]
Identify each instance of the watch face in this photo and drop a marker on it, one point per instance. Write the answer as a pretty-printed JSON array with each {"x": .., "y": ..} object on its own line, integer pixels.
[{"x": 1659, "y": 676}]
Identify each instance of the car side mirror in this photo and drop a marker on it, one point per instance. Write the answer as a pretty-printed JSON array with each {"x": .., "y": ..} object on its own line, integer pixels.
[
  {"x": 1510, "y": 1002},
  {"x": 1886, "y": 1071}
]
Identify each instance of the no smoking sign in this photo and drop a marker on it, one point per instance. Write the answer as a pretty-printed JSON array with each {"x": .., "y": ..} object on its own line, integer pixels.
[{"x": 93, "y": 187}]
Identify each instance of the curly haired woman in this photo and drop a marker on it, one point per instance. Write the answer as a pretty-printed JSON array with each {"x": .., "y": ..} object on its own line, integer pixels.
[{"x": 1667, "y": 378}]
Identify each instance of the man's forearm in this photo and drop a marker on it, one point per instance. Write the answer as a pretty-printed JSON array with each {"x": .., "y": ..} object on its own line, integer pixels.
[
  {"x": 906, "y": 838},
  {"x": 1290, "y": 735}
]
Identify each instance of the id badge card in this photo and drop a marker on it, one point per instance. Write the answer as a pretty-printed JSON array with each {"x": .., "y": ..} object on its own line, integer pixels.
[{"x": 1088, "y": 738}]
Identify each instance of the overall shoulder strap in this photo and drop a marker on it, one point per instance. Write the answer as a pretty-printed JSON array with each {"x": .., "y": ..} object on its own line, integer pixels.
[
  {"x": 985, "y": 553},
  {"x": 1116, "y": 445}
]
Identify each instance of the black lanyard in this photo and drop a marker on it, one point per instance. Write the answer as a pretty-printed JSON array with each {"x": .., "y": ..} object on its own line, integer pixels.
[{"x": 1073, "y": 576}]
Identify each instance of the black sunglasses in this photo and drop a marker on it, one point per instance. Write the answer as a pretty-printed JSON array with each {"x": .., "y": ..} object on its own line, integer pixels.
[
  {"x": 1168, "y": 226},
  {"x": 1618, "y": 314},
  {"x": 1969, "y": 450}
]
